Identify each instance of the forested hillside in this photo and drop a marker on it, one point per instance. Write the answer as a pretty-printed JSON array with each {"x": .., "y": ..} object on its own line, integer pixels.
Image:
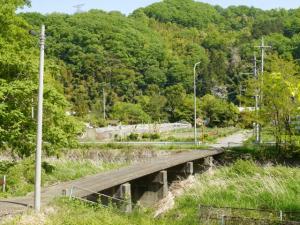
[
  {"x": 140, "y": 66},
  {"x": 142, "y": 61}
]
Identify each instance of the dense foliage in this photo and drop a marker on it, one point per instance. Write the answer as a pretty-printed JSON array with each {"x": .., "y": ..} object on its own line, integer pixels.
[
  {"x": 139, "y": 66},
  {"x": 18, "y": 91},
  {"x": 147, "y": 57}
]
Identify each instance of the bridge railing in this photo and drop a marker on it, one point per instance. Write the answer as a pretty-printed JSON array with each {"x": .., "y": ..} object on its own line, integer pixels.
[{"x": 111, "y": 200}]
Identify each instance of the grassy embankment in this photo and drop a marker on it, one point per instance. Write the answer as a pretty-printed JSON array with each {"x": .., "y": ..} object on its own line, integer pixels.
[
  {"x": 90, "y": 159},
  {"x": 210, "y": 134},
  {"x": 243, "y": 184},
  {"x": 20, "y": 175}
]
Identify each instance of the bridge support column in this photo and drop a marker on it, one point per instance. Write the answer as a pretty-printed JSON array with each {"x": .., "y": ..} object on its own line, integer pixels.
[
  {"x": 124, "y": 193},
  {"x": 181, "y": 171},
  {"x": 151, "y": 189},
  {"x": 189, "y": 168},
  {"x": 209, "y": 162}
]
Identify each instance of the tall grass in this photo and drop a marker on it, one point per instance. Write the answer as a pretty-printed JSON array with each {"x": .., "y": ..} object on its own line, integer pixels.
[
  {"x": 20, "y": 176},
  {"x": 242, "y": 185}
]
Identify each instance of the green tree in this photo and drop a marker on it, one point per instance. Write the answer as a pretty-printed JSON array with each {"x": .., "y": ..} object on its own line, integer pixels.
[
  {"x": 218, "y": 111},
  {"x": 18, "y": 128},
  {"x": 129, "y": 113}
]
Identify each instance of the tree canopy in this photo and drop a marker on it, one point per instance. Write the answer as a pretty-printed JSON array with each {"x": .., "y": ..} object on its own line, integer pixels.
[{"x": 138, "y": 67}]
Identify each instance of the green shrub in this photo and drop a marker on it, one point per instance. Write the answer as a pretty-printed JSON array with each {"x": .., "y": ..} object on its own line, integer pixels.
[
  {"x": 145, "y": 136},
  {"x": 98, "y": 122},
  {"x": 154, "y": 136},
  {"x": 20, "y": 177},
  {"x": 133, "y": 137}
]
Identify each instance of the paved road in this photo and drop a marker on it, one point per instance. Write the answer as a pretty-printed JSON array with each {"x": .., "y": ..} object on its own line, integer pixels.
[{"x": 232, "y": 140}]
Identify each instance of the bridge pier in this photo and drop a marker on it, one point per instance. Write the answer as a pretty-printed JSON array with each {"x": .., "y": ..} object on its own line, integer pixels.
[
  {"x": 150, "y": 189},
  {"x": 124, "y": 194},
  {"x": 118, "y": 195},
  {"x": 209, "y": 163},
  {"x": 148, "y": 182},
  {"x": 180, "y": 171}
]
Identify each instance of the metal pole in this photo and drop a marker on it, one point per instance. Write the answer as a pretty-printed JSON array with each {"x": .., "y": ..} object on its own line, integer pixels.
[
  {"x": 104, "y": 103},
  {"x": 4, "y": 184},
  {"x": 38, "y": 156},
  {"x": 262, "y": 55},
  {"x": 257, "y": 136},
  {"x": 195, "y": 104},
  {"x": 262, "y": 47}
]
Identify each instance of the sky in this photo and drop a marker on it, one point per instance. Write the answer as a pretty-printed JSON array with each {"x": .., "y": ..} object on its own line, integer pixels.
[{"x": 127, "y": 6}]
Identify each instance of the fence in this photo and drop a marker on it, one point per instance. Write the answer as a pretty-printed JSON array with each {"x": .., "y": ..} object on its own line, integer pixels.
[{"x": 237, "y": 216}]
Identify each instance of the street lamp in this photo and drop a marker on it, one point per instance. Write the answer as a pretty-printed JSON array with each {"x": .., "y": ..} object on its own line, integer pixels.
[
  {"x": 38, "y": 155},
  {"x": 195, "y": 103}
]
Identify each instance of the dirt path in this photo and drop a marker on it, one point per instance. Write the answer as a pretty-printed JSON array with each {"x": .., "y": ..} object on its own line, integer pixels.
[{"x": 232, "y": 140}]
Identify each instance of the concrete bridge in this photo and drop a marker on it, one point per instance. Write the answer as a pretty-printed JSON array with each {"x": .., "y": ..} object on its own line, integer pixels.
[{"x": 144, "y": 183}]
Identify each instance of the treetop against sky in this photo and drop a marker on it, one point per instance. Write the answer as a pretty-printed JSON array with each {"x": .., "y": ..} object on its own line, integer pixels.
[{"x": 127, "y": 6}]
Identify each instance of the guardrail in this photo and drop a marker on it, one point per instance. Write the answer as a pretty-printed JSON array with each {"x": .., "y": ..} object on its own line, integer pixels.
[{"x": 72, "y": 195}]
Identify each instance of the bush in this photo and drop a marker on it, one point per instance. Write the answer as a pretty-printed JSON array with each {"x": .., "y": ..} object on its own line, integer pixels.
[
  {"x": 133, "y": 137},
  {"x": 154, "y": 136},
  {"x": 145, "y": 136},
  {"x": 98, "y": 122},
  {"x": 20, "y": 177}
]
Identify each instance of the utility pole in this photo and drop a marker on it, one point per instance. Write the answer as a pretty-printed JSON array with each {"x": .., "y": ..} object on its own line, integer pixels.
[
  {"x": 262, "y": 47},
  {"x": 256, "y": 128},
  {"x": 104, "y": 103},
  {"x": 38, "y": 155},
  {"x": 78, "y": 8},
  {"x": 195, "y": 103}
]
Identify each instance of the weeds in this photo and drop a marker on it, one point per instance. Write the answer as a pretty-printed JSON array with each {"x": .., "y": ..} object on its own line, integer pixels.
[{"x": 242, "y": 185}]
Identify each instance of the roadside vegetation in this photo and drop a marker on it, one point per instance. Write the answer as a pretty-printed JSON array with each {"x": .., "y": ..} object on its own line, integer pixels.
[
  {"x": 205, "y": 134},
  {"x": 244, "y": 184},
  {"x": 141, "y": 67},
  {"x": 20, "y": 175}
]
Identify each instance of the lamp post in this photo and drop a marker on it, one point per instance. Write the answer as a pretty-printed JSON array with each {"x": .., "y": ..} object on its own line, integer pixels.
[
  {"x": 195, "y": 103},
  {"x": 38, "y": 155}
]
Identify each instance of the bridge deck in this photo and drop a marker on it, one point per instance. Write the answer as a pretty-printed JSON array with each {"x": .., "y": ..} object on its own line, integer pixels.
[{"x": 109, "y": 179}]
